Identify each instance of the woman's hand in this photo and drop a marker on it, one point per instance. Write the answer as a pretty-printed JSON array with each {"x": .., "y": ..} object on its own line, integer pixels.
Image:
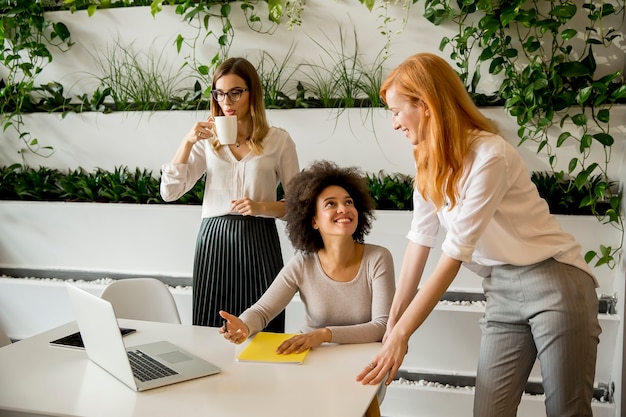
[
  {"x": 234, "y": 329},
  {"x": 201, "y": 131},
  {"x": 302, "y": 342},
  {"x": 246, "y": 207},
  {"x": 386, "y": 362}
]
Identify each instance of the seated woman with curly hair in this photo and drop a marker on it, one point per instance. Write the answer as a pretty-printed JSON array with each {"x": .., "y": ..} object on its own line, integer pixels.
[{"x": 346, "y": 285}]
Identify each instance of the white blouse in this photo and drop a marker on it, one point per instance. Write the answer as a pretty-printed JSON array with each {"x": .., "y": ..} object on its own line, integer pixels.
[
  {"x": 227, "y": 179},
  {"x": 499, "y": 218}
]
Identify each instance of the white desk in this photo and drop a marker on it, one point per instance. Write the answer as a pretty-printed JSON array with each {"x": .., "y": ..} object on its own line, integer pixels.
[{"x": 36, "y": 378}]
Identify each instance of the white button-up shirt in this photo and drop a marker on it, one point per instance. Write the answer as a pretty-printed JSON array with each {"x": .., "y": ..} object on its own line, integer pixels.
[
  {"x": 499, "y": 217},
  {"x": 227, "y": 179}
]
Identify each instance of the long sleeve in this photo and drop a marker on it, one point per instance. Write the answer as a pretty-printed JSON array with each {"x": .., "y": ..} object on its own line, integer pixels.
[
  {"x": 177, "y": 179},
  {"x": 354, "y": 311}
]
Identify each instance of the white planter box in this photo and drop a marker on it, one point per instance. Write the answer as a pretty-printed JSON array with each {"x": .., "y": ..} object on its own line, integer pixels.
[
  {"x": 159, "y": 239},
  {"x": 152, "y": 240},
  {"x": 359, "y": 137}
]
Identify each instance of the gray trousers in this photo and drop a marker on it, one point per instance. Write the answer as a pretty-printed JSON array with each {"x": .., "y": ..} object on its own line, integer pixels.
[{"x": 547, "y": 311}]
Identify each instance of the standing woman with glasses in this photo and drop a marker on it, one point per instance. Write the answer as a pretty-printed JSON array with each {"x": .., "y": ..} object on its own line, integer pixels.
[{"x": 237, "y": 250}]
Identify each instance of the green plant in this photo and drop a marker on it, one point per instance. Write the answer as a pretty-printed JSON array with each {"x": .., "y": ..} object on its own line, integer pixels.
[
  {"x": 92, "y": 5},
  {"x": 133, "y": 80},
  {"x": 548, "y": 80},
  {"x": 564, "y": 198},
  {"x": 371, "y": 79},
  {"x": 40, "y": 185},
  {"x": 121, "y": 185},
  {"x": 97, "y": 102},
  {"x": 337, "y": 77},
  {"x": 17, "y": 182},
  {"x": 78, "y": 185},
  {"x": 138, "y": 80},
  {"x": 25, "y": 36},
  {"x": 201, "y": 15},
  {"x": 118, "y": 186},
  {"x": 7, "y": 182},
  {"x": 391, "y": 191},
  {"x": 274, "y": 77},
  {"x": 52, "y": 98},
  {"x": 342, "y": 80}
]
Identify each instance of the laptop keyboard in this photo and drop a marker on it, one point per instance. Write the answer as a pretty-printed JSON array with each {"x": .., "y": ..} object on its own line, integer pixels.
[{"x": 145, "y": 368}]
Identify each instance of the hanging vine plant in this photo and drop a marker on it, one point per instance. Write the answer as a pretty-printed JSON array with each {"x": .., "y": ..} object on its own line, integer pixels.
[
  {"x": 25, "y": 36},
  {"x": 548, "y": 79},
  {"x": 201, "y": 13}
]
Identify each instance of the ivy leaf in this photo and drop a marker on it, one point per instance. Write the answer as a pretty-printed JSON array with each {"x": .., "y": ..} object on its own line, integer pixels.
[
  {"x": 568, "y": 34},
  {"x": 572, "y": 69},
  {"x": 583, "y": 95},
  {"x": 580, "y": 119},
  {"x": 604, "y": 115},
  {"x": 562, "y": 138},
  {"x": 179, "y": 42},
  {"x": 590, "y": 255},
  {"x": 156, "y": 7},
  {"x": 275, "y": 9},
  {"x": 620, "y": 93},
  {"x": 604, "y": 138},
  {"x": 585, "y": 142},
  {"x": 368, "y": 3},
  {"x": 508, "y": 14},
  {"x": 565, "y": 11}
]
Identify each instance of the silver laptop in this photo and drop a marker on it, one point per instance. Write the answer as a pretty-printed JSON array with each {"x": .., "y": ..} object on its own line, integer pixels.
[{"x": 104, "y": 345}]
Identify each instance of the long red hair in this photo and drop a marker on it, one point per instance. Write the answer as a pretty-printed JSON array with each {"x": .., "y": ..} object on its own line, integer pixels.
[{"x": 447, "y": 132}]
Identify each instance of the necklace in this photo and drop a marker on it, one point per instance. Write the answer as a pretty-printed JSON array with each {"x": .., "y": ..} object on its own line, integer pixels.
[{"x": 237, "y": 144}]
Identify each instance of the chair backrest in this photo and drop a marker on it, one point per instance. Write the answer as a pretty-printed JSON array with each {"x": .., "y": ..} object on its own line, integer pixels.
[{"x": 142, "y": 299}]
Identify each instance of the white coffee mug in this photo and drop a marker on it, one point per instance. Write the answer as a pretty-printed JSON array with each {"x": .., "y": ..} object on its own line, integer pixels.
[{"x": 226, "y": 129}]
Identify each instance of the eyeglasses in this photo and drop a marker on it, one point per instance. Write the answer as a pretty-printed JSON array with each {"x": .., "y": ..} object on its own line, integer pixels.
[{"x": 233, "y": 95}]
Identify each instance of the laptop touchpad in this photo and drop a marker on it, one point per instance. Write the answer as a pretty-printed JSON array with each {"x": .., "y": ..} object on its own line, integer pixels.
[{"x": 175, "y": 356}]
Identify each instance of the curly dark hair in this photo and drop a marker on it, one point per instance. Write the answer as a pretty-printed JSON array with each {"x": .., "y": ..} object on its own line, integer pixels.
[{"x": 301, "y": 200}]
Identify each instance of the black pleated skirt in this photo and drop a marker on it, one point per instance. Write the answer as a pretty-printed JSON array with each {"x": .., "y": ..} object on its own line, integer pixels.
[{"x": 236, "y": 260}]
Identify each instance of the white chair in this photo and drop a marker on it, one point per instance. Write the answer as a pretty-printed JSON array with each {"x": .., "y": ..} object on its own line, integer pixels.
[{"x": 142, "y": 299}]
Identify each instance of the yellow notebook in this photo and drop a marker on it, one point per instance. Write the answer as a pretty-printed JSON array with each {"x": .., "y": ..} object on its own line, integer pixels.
[{"x": 262, "y": 348}]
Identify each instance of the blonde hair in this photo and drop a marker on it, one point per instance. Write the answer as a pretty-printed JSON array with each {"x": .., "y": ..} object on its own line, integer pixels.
[
  {"x": 246, "y": 71},
  {"x": 447, "y": 131}
]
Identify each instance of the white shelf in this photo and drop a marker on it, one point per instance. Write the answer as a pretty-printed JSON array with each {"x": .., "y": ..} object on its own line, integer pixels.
[
  {"x": 404, "y": 400},
  {"x": 480, "y": 310}
]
